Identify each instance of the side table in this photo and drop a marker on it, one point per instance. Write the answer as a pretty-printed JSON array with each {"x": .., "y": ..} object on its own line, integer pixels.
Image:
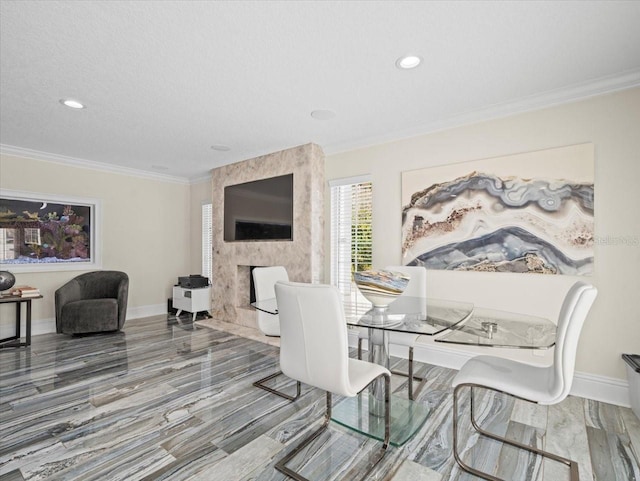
[
  {"x": 14, "y": 341},
  {"x": 192, "y": 300}
]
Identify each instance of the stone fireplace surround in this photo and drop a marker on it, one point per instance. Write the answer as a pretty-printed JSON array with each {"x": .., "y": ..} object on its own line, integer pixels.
[{"x": 302, "y": 257}]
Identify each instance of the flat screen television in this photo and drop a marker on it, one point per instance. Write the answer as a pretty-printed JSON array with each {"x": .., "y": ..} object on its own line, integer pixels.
[{"x": 261, "y": 210}]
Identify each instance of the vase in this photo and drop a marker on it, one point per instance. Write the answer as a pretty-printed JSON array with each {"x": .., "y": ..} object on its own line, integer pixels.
[
  {"x": 381, "y": 287},
  {"x": 7, "y": 280}
]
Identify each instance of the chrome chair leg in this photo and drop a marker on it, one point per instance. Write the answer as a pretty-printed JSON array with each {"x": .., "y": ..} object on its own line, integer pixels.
[
  {"x": 281, "y": 465},
  {"x": 260, "y": 383},
  {"x": 573, "y": 465}
]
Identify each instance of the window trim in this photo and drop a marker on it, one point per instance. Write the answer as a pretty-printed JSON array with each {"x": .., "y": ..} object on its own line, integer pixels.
[
  {"x": 29, "y": 233},
  {"x": 335, "y": 265},
  {"x": 356, "y": 179},
  {"x": 206, "y": 244}
]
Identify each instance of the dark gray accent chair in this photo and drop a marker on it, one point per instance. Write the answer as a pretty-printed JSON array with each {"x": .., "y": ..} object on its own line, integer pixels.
[{"x": 92, "y": 302}]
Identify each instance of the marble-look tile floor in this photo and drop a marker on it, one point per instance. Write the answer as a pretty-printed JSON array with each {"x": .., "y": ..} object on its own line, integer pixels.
[{"x": 167, "y": 400}]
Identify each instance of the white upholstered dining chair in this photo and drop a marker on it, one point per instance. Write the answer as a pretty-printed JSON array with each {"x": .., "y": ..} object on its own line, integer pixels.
[
  {"x": 264, "y": 280},
  {"x": 314, "y": 350},
  {"x": 417, "y": 287},
  {"x": 542, "y": 385}
]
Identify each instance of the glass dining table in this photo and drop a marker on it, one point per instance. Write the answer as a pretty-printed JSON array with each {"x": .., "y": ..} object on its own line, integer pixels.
[
  {"x": 452, "y": 322},
  {"x": 412, "y": 315},
  {"x": 493, "y": 328},
  {"x": 409, "y": 315}
]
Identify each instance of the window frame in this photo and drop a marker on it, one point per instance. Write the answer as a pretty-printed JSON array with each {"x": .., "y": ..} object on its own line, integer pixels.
[
  {"x": 339, "y": 231},
  {"x": 207, "y": 240},
  {"x": 32, "y": 235}
]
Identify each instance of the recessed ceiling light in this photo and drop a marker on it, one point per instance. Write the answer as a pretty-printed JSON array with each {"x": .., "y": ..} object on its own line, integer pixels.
[
  {"x": 408, "y": 62},
  {"x": 72, "y": 104},
  {"x": 220, "y": 147},
  {"x": 323, "y": 114}
]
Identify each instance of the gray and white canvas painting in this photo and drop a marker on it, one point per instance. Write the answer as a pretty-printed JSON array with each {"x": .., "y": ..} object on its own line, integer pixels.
[{"x": 524, "y": 213}]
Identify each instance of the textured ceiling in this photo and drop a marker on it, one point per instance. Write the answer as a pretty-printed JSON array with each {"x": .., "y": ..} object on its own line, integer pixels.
[{"x": 165, "y": 80}]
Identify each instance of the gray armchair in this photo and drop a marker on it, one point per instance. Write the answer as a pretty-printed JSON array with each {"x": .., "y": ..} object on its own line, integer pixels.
[{"x": 92, "y": 302}]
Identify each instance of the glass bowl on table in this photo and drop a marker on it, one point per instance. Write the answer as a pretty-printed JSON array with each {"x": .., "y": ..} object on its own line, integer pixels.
[{"x": 381, "y": 287}]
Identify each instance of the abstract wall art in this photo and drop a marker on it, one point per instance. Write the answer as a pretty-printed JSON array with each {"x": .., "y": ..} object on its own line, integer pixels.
[{"x": 524, "y": 213}]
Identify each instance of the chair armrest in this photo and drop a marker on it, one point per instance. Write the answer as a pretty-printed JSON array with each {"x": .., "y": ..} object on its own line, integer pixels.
[
  {"x": 70, "y": 292},
  {"x": 123, "y": 297}
]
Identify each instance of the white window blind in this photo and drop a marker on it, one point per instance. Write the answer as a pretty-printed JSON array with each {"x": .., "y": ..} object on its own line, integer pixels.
[
  {"x": 351, "y": 243},
  {"x": 7, "y": 244},
  {"x": 207, "y": 246}
]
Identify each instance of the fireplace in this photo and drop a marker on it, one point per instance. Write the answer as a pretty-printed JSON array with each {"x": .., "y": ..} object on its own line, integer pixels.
[
  {"x": 246, "y": 289},
  {"x": 252, "y": 287},
  {"x": 302, "y": 257},
  {"x": 245, "y": 277}
]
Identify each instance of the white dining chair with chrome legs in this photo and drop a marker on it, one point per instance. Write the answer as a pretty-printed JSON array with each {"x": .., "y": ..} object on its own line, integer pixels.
[
  {"x": 264, "y": 280},
  {"x": 542, "y": 385},
  {"x": 314, "y": 350},
  {"x": 417, "y": 287}
]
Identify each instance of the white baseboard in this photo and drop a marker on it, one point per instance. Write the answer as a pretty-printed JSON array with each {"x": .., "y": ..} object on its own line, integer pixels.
[
  {"x": 601, "y": 388},
  {"x": 591, "y": 386},
  {"x": 38, "y": 326},
  {"x": 48, "y": 326},
  {"x": 586, "y": 385},
  {"x": 146, "y": 311}
]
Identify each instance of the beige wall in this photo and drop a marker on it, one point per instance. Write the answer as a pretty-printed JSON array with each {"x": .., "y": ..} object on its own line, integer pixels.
[
  {"x": 145, "y": 229},
  {"x": 611, "y": 122}
]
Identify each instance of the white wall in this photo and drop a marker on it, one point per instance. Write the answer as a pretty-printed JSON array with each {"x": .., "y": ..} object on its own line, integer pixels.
[
  {"x": 145, "y": 232},
  {"x": 612, "y": 123}
]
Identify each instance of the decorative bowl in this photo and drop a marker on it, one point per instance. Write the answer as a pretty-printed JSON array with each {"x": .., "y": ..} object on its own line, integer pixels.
[
  {"x": 7, "y": 280},
  {"x": 381, "y": 287}
]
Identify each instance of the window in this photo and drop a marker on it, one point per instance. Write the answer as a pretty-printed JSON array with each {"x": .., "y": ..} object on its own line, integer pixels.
[
  {"x": 48, "y": 232},
  {"x": 351, "y": 243},
  {"x": 32, "y": 236},
  {"x": 207, "y": 246},
  {"x": 7, "y": 244}
]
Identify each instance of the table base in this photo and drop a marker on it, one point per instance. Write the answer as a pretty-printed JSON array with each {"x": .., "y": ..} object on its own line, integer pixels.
[
  {"x": 407, "y": 417},
  {"x": 12, "y": 342}
]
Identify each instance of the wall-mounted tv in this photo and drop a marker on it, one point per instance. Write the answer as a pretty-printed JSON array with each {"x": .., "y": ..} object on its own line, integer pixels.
[{"x": 259, "y": 210}]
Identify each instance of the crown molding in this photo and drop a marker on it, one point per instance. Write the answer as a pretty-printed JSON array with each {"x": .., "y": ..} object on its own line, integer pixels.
[
  {"x": 200, "y": 179},
  {"x": 88, "y": 164},
  {"x": 552, "y": 98}
]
